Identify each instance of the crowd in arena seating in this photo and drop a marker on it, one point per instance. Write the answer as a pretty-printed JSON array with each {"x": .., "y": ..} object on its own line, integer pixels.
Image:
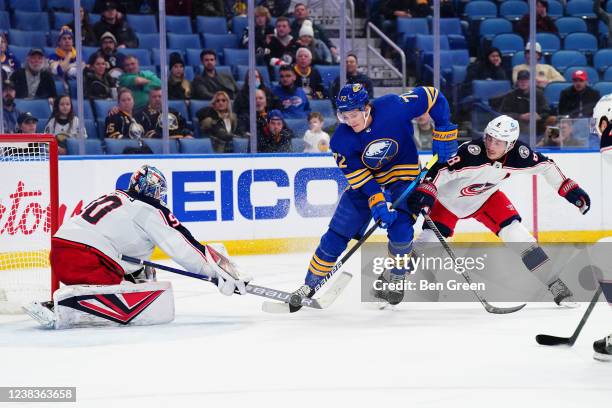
[{"x": 484, "y": 68}]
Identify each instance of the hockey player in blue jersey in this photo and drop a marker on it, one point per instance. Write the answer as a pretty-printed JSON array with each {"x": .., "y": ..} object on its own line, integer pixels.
[{"x": 375, "y": 149}]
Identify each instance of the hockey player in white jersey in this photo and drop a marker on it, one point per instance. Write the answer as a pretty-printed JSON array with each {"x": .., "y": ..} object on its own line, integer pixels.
[
  {"x": 87, "y": 249},
  {"x": 602, "y": 124},
  {"x": 468, "y": 186}
]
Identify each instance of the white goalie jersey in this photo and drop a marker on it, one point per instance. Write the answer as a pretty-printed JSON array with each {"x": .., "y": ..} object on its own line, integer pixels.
[
  {"x": 130, "y": 224},
  {"x": 468, "y": 179}
]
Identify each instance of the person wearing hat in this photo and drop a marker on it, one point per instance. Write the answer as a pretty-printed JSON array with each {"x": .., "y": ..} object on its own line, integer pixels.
[
  {"x": 10, "y": 113},
  {"x": 33, "y": 81},
  {"x": 276, "y": 137},
  {"x": 516, "y": 105},
  {"x": 114, "y": 59},
  {"x": 320, "y": 53},
  {"x": 544, "y": 24},
  {"x": 545, "y": 73},
  {"x": 578, "y": 100},
  {"x": 62, "y": 62},
  {"x": 26, "y": 123},
  {"x": 301, "y": 14},
  {"x": 112, "y": 22},
  {"x": 178, "y": 86}
]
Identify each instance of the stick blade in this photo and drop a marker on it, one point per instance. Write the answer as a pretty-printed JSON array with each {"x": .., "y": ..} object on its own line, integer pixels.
[
  {"x": 503, "y": 310},
  {"x": 547, "y": 340}
]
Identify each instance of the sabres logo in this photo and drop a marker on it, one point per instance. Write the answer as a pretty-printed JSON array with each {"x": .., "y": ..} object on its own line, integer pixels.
[
  {"x": 356, "y": 87},
  {"x": 476, "y": 189},
  {"x": 379, "y": 152}
]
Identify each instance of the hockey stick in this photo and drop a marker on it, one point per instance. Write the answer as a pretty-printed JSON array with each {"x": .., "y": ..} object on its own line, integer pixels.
[
  {"x": 293, "y": 304},
  {"x": 250, "y": 288},
  {"x": 488, "y": 307},
  {"x": 548, "y": 340}
]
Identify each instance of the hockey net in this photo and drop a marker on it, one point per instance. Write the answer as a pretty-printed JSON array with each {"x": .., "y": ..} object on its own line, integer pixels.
[{"x": 28, "y": 218}]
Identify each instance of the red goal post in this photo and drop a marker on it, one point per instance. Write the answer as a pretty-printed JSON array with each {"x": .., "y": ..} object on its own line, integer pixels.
[{"x": 29, "y": 203}]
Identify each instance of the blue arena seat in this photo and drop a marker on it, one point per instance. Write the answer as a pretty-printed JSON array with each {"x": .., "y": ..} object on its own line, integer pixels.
[
  {"x": 513, "y": 9},
  {"x": 235, "y": 56},
  {"x": 31, "y": 20},
  {"x": 480, "y": 10},
  {"x": 155, "y": 54},
  {"x": 602, "y": 59},
  {"x": 157, "y": 145},
  {"x": 491, "y": 27},
  {"x": 563, "y": 59},
  {"x": 298, "y": 144},
  {"x": 192, "y": 56},
  {"x": 552, "y": 92},
  {"x": 5, "y": 20},
  {"x": 91, "y": 130},
  {"x": 241, "y": 145},
  {"x": 61, "y": 19},
  {"x": 142, "y": 23},
  {"x": 238, "y": 25},
  {"x": 20, "y": 52},
  {"x": 178, "y": 24},
  {"x": 195, "y": 146},
  {"x": 591, "y": 72},
  {"x": 323, "y": 106},
  {"x": 328, "y": 74},
  {"x": 87, "y": 110},
  {"x": 148, "y": 40},
  {"x": 452, "y": 28},
  {"x": 408, "y": 28},
  {"x": 183, "y": 40},
  {"x": 508, "y": 43},
  {"x": 580, "y": 8},
  {"x": 583, "y": 42},
  {"x": 116, "y": 146},
  {"x": 487, "y": 89},
  {"x": 88, "y": 52},
  {"x": 59, "y": 86},
  {"x": 194, "y": 107},
  {"x": 213, "y": 25},
  {"x": 550, "y": 42},
  {"x": 93, "y": 145},
  {"x": 220, "y": 41},
  {"x": 180, "y": 107},
  {"x": 568, "y": 25},
  {"x": 607, "y": 76},
  {"x": 26, "y": 5},
  {"x": 101, "y": 108},
  {"x": 555, "y": 9},
  {"x": 518, "y": 58},
  {"x": 38, "y": 107},
  {"x": 298, "y": 126},
  {"x": 604, "y": 87},
  {"x": 60, "y": 5},
  {"x": 28, "y": 38},
  {"x": 143, "y": 55}
]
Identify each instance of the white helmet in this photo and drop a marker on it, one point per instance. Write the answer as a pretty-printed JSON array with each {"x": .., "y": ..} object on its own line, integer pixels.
[
  {"x": 504, "y": 128},
  {"x": 603, "y": 110}
]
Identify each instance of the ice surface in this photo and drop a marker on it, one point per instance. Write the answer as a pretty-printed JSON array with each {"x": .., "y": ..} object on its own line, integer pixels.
[{"x": 225, "y": 352}]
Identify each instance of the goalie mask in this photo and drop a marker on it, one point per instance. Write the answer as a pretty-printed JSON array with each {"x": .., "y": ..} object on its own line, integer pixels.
[
  {"x": 149, "y": 181},
  {"x": 602, "y": 113},
  {"x": 503, "y": 128}
]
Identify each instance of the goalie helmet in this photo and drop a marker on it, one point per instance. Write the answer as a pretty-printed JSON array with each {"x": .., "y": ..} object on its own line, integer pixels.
[
  {"x": 149, "y": 181},
  {"x": 503, "y": 128},
  {"x": 602, "y": 111}
]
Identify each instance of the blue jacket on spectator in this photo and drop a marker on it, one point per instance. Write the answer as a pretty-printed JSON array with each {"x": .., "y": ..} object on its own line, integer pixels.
[
  {"x": 293, "y": 101},
  {"x": 10, "y": 119}
]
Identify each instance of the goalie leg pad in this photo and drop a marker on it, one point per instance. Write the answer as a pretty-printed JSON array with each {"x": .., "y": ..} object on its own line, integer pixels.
[{"x": 140, "y": 304}]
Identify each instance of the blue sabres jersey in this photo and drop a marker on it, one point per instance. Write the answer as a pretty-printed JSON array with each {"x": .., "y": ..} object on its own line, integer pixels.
[{"x": 385, "y": 151}]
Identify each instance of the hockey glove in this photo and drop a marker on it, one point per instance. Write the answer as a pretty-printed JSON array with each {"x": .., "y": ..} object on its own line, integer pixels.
[
  {"x": 380, "y": 210},
  {"x": 444, "y": 142},
  {"x": 422, "y": 198},
  {"x": 572, "y": 192},
  {"x": 229, "y": 279}
]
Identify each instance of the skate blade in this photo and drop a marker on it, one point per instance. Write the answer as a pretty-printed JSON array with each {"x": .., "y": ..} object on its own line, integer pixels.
[
  {"x": 569, "y": 305},
  {"x": 602, "y": 357}
]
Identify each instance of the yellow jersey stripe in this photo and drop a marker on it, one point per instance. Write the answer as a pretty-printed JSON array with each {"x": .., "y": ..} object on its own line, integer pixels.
[
  {"x": 397, "y": 178},
  {"x": 360, "y": 184},
  {"x": 322, "y": 263},
  {"x": 398, "y": 167},
  {"x": 358, "y": 179},
  {"x": 398, "y": 173},
  {"x": 356, "y": 173},
  {"x": 315, "y": 272}
]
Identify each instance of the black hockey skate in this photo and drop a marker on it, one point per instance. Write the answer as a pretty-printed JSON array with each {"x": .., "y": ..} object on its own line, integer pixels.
[
  {"x": 563, "y": 296},
  {"x": 393, "y": 297},
  {"x": 603, "y": 349},
  {"x": 295, "y": 301}
]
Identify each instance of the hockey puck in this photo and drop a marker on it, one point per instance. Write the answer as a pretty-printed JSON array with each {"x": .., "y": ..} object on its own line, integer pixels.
[{"x": 295, "y": 300}]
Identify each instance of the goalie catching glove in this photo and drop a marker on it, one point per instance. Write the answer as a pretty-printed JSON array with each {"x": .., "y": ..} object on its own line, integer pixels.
[{"x": 571, "y": 191}]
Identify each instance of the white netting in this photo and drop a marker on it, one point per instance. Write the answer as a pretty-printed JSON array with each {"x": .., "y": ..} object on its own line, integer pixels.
[{"x": 25, "y": 224}]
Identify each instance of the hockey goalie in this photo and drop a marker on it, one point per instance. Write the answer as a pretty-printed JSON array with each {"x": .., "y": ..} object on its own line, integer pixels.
[{"x": 102, "y": 289}]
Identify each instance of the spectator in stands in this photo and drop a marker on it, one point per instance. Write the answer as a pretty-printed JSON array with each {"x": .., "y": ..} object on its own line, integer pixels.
[
  {"x": 26, "y": 123},
  {"x": 392, "y": 9},
  {"x": 219, "y": 123},
  {"x": 276, "y": 137},
  {"x": 212, "y": 8},
  {"x": 63, "y": 123},
  {"x": 261, "y": 111},
  {"x": 316, "y": 139},
  {"x": 116, "y": 25},
  {"x": 282, "y": 45},
  {"x": 206, "y": 85},
  {"x": 293, "y": 99},
  {"x": 516, "y": 105},
  {"x": 561, "y": 136},
  {"x": 10, "y": 113},
  {"x": 139, "y": 82},
  {"x": 129, "y": 6},
  {"x": 63, "y": 61},
  {"x": 301, "y": 13},
  {"x": 488, "y": 68},
  {"x": 308, "y": 77},
  {"x": 320, "y": 52},
  {"x": 447, "y": 9},
  {"x": 88, "y": 36},
  {"x": 178, "y": 86},
  {"x": 114, "y": 59},
  {"x": 235, "y": 8},
  {"x": 181, "y": 7},
  {"x": 423, "y": 131},
  {"x": 150, "y": 119},
  {"x": 264, "y": 31},
  {"x": 98, "y": 83},
  {"x": 241, "y": 102},
  {"x": 33, "y": 81},
  {"x": 578, "y": 100},
  {"x": 353, "y": 76},
  {"x": 8, "y": 62},
  {"x": 277, "y": 8},
  {"x": 544, "y": 24},
  {"x": 545, "y": 73},
  {"x": 121, "y": 124},
  {"x": 604, "y": 16}
]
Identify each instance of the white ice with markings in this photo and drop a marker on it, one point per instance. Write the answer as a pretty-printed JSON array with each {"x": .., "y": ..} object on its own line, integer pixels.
[{"x": 225, "y": 352}]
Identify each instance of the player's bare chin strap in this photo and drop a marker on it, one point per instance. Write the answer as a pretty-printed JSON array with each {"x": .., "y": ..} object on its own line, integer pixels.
[{"x": 523, "y": 243}]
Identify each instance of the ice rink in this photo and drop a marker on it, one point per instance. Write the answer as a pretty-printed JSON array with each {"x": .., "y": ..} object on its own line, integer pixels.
[{"x": 225, "y": 352}]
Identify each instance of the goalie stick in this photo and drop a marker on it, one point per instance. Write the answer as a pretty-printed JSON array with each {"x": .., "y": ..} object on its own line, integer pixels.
[
  {"x": 292, "y": 305},
  {"x": 548, "y": 340},
  {"x": 488, "y": 307},
  {"x": 321, "y": 303}
]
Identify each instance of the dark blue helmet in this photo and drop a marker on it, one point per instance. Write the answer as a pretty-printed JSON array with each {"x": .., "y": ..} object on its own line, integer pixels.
[{"x": 351, "y": 97}]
